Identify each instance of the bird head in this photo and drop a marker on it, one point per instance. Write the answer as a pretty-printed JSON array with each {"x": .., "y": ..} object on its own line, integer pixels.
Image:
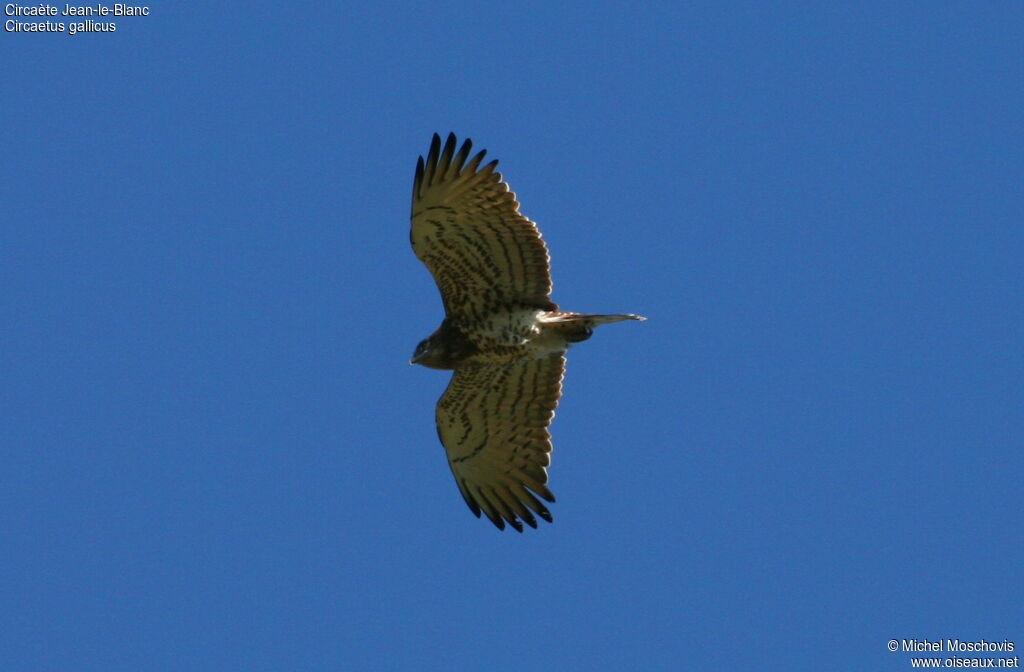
[
  {"x": 430, "y": 352},
  {"x": 420, "y": 352}
]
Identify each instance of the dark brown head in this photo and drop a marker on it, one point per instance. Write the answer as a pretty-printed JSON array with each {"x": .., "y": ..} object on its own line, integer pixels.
[
  {"x": 446, "y": 348},
  {"x": 431, "y": 352}
]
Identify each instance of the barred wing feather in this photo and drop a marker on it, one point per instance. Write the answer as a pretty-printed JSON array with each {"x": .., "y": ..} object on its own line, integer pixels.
[
  {"x": 467, "y": 229},
  {"x": 493, "y": 423}
]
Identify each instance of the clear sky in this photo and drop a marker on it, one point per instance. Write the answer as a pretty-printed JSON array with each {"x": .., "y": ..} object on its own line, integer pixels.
[{"x": 216, "y": 456}]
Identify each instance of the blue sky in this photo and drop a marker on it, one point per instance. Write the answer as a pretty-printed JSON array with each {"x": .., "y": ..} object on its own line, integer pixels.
[{"x": 218, "y": 458}]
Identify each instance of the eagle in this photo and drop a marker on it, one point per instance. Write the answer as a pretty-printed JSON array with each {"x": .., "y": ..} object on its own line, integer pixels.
[{"x": 502, "y": 336}]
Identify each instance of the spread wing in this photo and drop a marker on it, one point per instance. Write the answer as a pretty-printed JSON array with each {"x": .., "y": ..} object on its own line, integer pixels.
[
  {"x": 493, "y": 423},
  {"x": 467, "y": 229}
]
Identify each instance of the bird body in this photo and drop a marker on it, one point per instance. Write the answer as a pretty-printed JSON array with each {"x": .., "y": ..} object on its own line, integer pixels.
[
  {"x": 502, "y": 335},
  {"x": 508, "y": 335}
]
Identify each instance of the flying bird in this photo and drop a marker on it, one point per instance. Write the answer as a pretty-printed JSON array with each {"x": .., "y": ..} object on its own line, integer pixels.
[{"x": 502, "y": 335}]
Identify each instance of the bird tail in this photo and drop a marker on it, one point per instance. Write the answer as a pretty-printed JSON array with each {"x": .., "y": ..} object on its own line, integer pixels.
[{"x": 575, "y": 327}]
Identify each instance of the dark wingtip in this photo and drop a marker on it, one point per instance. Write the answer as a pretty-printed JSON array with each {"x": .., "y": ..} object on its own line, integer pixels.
[
  {"x": 470, "y": 502},
  {"x": 445, "y": 161},
  {"x": 417, "y": 180},
  {"x": 490, "y": 167},
  {"x": 460, "y": 158},
  {"x": 431, "y": 163}
]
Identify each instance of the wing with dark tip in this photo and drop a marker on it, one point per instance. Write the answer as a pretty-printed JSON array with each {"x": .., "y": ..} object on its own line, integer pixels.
[
  {"x": 493, "y": 422},
  {"x": 467, "y": 229}
]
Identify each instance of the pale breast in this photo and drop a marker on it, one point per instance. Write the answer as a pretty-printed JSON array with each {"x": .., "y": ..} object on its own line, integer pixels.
[{"x": 511, "y": 335}]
